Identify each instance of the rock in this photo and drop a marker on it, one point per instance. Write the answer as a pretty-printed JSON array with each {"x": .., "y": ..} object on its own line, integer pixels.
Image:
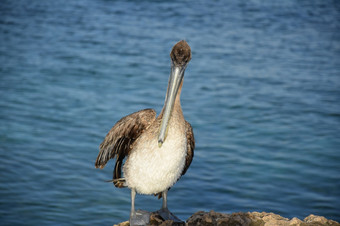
[
  {"x": 156, "y": 219},
  {"x": 125, "y": 223},
  {"x": 316, "y": 219},
  {"x": 213, "y": 218},
  {"x": 205, "y": 218}
]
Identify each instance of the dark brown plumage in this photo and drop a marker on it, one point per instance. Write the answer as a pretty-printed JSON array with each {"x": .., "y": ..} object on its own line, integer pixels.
[{"x": 181, "y": 53}]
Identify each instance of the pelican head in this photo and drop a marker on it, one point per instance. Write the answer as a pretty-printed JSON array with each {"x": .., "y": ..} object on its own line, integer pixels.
[{"x": 180, "y": 56}]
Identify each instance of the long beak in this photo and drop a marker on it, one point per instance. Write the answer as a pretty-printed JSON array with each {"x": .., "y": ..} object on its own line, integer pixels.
[{"x": 176, "y": 77}]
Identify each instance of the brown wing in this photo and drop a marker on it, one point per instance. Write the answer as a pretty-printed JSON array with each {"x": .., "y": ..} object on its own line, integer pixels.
[
  {"x": 190, "y": 146},
  {"x": 118, "y": 142}
]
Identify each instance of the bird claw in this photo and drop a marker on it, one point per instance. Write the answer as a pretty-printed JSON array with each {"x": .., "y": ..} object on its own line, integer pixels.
[{"x": 139, "y": 218}]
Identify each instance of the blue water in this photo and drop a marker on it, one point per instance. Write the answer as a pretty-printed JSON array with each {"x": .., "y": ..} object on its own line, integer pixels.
[{"x": 262, "y": 93}]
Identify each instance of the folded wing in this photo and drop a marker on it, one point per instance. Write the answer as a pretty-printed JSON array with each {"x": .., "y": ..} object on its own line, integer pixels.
[
  {"x": 190, "y": 146},
  {"x": 119, "y": 140}
]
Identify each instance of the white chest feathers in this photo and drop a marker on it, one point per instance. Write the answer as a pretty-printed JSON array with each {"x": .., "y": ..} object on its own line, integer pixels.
[{"x": 151, "y": 169}]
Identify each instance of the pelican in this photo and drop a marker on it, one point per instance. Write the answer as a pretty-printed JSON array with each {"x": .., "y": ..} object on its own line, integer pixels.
[{"x": 157, "y": 150}]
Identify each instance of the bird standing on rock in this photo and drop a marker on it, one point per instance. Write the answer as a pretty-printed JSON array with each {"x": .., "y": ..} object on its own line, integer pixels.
[{"x": 158, "y": 150}]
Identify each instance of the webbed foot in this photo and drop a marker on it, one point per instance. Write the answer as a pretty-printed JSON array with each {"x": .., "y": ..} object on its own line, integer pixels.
[
  {"x": 139, "y": 218},
  {"x": 167, "y": 215}
]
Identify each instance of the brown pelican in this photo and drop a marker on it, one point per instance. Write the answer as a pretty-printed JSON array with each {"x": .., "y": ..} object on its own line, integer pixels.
[{"x": 158, "y": 150}]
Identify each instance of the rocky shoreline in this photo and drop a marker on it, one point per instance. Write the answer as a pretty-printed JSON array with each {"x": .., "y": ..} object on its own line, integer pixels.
[{"x": 213, "y": 218}]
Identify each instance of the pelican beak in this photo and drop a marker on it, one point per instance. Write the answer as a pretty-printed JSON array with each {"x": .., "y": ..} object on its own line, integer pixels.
[
  {"x": 176, "y": 77},
  {"x": 180, "y": 56}
]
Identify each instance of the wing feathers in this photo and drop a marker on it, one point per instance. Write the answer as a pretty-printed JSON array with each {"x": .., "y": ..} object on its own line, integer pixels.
[
  {"x": 190, "y": 147},
  {"x": 120, "y": 138}
]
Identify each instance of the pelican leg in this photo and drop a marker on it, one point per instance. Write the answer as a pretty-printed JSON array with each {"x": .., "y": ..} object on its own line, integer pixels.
[
  {"x": 133, "y": 196},
  {"x": 139, "y": 217},
  {"x": 164, "y": 211},
  {"x": 165, "y": 199}
]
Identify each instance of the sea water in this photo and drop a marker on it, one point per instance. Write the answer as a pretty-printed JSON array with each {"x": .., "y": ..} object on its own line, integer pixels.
[{"x": 261, "y": 92}]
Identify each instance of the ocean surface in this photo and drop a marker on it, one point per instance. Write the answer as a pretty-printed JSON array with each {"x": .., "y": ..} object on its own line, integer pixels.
[{"x": 262, "y": 93}]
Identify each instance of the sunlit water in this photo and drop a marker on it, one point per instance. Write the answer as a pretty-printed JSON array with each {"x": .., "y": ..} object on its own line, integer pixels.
[{"x": 262, "y": 93}]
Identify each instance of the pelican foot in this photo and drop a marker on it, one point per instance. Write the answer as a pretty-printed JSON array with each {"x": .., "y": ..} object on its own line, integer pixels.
[
  {"x": 167, "y": 215},
  {"x": 139, "y": 218}
]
